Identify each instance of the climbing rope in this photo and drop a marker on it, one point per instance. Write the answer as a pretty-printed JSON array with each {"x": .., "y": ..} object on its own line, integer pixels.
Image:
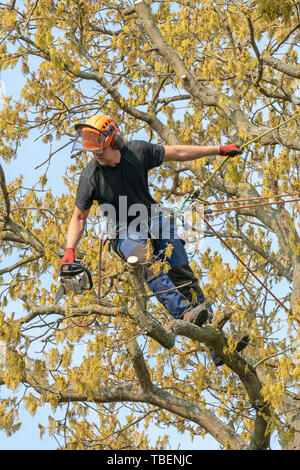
[{"x": 247, "y": 206}]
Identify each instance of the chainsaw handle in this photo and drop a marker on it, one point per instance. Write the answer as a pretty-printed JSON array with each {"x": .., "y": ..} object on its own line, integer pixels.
[{"x": 89, "y": 278}]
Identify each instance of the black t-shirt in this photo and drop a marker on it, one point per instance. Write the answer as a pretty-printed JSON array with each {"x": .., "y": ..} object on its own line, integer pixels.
[{"x": 129, "y": 178}]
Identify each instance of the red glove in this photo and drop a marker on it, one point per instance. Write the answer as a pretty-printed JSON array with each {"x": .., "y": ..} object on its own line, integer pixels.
[
  {"x": 230, "y": 150},
  {"x": 69, "y": 256}
]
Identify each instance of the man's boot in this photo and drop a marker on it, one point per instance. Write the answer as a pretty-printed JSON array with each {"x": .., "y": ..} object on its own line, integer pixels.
[{"x": 197, "y": 315}]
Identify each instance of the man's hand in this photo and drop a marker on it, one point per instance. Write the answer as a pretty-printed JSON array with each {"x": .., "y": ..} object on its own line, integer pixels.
[
  {"x": 229, "y": 150},
  {"x": 69, "y": 256}
]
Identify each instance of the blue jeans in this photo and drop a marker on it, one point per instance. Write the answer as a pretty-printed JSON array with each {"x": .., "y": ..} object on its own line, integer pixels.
[{"x": 179, "y": 282}]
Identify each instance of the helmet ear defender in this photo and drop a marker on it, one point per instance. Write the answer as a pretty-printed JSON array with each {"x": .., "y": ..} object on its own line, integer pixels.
[{"x": 117, "y": 142}]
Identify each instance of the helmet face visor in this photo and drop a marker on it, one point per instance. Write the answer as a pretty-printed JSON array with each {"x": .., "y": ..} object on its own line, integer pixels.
[{"x": 89, "y": 139}]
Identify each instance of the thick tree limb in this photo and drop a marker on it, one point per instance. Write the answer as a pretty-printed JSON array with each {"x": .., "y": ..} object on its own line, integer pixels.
[
  {"x": 141, "y": 317},
  {"x": 191, "y": 85},
  {"x": 278, "y": 64},
  {"x": 215, "y": 339},
  {"x": 135, "y": 394},
  {"x": 5, "y": 194},
  {"x": 140, "y": 366},
  {"x": 20, "y": 263},
  {"x": 26, "y": 235}
]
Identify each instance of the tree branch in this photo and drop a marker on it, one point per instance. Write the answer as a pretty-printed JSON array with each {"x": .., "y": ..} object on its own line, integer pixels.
[
  {"x": 160, "y": 398},
  {"x": 20, "y": 263},
  {"x": 5, "y": 194},
  {"x": 214, "y": 339},
  {"x": 278, "y": 64},
  {"x": 140, "y": 366},
  {"x": 191, "y": 85}
]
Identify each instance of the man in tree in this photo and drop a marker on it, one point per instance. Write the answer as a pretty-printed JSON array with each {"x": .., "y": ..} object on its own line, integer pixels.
[{"x": 120, "y": 170}]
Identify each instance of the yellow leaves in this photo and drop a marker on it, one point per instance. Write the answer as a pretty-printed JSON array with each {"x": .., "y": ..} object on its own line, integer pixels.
[
  {"x": 60, "y": 383},
  {"x": 231, "y": 345},
  {"x": 233, "y": 175},
  {"x": 43, "y": 179},
  {"x": 285, "y": 368},
  {"x": 53, "y": 400},
  {"x": 296, "y": 373},
  {"x": 53, "y": 357},
  {"x": 168, "y": 252},
  {"x": 8, "y": 19},
  {"x": 160, "y": 266},
  {"x": 10, "y": 331},
  {"x": 8, "y": 417},
  {"x": 187, "y": 185},
  {"x": 154, "y": 346},
  {"x": 273, "y": 9},
  {"x": 227, "y": 445},
  {"x": 31, "y": 403},
  {"x": 273, "y": 393},
  {"x": 224, "y": 101},
  {"x": 15, "y": 369}
]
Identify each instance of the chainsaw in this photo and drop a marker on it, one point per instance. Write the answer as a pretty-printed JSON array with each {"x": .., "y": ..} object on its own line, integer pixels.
[{"x": 73, "y": 277}]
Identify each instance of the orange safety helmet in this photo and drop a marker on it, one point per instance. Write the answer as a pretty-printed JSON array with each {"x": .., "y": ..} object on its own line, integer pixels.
[{"x": 97, "y": 133}]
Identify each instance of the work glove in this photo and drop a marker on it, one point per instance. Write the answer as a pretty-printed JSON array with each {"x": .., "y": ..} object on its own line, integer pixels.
[
  {"x": 69, "y": 256},
  {"x": 229, "y": 150}
]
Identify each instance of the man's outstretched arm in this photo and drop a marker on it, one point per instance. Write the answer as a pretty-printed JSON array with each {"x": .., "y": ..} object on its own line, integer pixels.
[{"x": 185, "y": 153}]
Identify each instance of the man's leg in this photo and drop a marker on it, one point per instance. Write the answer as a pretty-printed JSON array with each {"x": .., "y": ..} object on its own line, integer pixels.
[
  {"x": 197, "y": 311},
  {"x": 184, "y": 279},
  {"x": 182, "y": 275},
  {"x": 173, "y": 300}
]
